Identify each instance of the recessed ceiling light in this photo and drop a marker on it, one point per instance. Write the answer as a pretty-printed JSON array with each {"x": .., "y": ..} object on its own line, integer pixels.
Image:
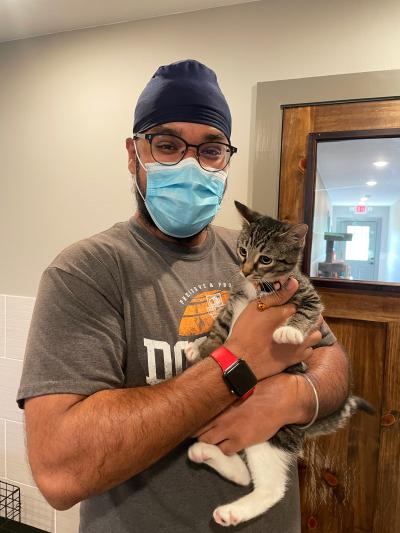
[
  {"x": 371, "y": 183},
  {"x": 381, "y": 163}
]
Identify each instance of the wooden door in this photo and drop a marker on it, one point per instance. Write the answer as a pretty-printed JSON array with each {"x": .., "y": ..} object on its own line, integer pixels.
[{"x": 350, "y": 481}]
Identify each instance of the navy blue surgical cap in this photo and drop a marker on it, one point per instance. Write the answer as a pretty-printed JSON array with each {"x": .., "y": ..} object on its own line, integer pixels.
[{"x": 186, "y": 91}]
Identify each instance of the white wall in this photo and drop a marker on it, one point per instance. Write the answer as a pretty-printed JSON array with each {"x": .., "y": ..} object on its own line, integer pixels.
[
  {"x": 66, "y": 104},
  {"x": 322, "y": 209},
  {"x": 379, "y": 212},
  {"x": 393, "y": 267}
]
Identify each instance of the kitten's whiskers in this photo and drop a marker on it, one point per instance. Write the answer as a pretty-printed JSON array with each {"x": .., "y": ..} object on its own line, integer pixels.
[{"x": 270, "y": 285}]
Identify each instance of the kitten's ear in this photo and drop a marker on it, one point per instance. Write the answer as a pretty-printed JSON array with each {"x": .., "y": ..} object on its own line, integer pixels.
[
  {"x": 248, "y": 215},
  {"x": 298, "y": 232}
]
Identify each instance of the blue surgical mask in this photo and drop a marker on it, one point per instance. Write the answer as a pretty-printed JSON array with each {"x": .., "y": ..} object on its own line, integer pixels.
[{"x": 182, "y": 199}]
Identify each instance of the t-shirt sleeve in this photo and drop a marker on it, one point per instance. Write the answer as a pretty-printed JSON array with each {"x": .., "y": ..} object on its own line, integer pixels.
[
  {"x": 328, "y": 338},
  {"x": 76, "y": 342}
]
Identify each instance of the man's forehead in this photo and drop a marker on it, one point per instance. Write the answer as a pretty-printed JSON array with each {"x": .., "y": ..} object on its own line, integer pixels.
[{"x": 203, "y": 131}]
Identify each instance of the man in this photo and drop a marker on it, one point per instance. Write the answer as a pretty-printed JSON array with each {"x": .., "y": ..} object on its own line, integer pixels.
[{"x": 113, "y": 315}]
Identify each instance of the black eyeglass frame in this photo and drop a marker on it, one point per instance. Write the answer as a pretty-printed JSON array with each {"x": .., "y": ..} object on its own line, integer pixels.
[{"x": 150, "y": 136}]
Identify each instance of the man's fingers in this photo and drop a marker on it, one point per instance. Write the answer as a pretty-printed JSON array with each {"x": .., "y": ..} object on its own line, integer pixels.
[
  {"x": 307, "y": 353},
  {"x": 280, "y": 314},
  {"x": 211, "y": 437},
  {"x": 228, "y": 447},
  {"x": 313, "y": 338},
  {"x": 283, "y": 295},
  {"x": 319, "y": 322}
]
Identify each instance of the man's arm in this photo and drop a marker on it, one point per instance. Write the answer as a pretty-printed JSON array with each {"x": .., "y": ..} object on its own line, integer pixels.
[
  {"x": 329, "y": 370},
  {"x": 282, "y": 399},
  {"x": 82, "y": 446},
  {"x": 79, "y": 446}
]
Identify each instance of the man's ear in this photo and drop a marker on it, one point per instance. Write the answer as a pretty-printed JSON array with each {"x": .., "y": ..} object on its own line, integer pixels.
[
  {"x": 130, "y": 147},
  {"x": 248, "y": 215}
]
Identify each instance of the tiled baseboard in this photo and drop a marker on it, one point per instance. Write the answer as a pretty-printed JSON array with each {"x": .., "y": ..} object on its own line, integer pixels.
[{"x": 9, "y": 526}]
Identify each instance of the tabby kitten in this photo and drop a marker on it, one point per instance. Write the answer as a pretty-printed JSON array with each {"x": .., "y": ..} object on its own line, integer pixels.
[{"x": 270, "y": 251}]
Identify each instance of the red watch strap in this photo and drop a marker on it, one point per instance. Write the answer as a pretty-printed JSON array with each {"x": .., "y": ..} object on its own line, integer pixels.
[
  {"x": 224, "y": 357},
  {"x": 249, "y": 393}
]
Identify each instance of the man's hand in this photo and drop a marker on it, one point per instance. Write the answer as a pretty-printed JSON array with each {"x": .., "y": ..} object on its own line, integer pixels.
[
  {"x": 251, "y": 336},
  {"x": 277, "y": 401}
]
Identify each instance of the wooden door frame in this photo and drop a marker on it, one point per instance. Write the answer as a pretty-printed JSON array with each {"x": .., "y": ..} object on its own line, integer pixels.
[
  {"x": 356, "y": 315},
  {"x": 266, "y": 133}
]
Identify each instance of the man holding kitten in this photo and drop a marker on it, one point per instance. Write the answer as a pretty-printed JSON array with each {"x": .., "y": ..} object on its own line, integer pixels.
[{"x": 110, "y": 401}]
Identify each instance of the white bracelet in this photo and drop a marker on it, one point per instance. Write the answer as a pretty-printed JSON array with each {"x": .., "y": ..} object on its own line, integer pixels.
[{"x": 314, "y": 418}]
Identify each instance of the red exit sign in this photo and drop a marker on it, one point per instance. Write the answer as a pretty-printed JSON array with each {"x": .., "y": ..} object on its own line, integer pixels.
[{"x": 360, "y": 209}]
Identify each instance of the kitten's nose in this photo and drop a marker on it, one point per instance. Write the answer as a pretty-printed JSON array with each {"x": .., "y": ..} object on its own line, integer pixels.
[{"x": 247, "y": 268}]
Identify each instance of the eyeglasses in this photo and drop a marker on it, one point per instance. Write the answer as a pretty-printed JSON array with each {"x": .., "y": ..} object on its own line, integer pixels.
[{"x": 168, "y": 149}]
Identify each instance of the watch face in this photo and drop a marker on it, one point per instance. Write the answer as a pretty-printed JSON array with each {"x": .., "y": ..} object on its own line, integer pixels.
[{"x": 240, "y": 378}]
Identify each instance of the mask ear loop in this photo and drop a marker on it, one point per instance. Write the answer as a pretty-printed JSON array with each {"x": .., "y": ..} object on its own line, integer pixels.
[
  {"x": 137, "y": 155},
  {"x": 225, "y": 187},
  {"x": 144, "y": 168}
]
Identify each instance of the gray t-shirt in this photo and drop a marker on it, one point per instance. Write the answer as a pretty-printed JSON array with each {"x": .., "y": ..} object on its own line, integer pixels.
[{"x": 116, "y": 310}]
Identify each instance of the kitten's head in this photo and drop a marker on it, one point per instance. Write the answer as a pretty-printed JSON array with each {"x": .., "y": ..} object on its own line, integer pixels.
[{"x": 268, "y": 250}]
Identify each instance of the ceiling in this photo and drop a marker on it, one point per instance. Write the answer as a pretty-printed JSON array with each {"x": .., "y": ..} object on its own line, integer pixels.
[
  {"x": 346, "y": 166},
  {"x": 20, "y": 19}
]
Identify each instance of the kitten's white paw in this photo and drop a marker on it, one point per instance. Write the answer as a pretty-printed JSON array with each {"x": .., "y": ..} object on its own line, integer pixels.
[
  {"x": 192, "y": 352},
  {"x": 231, "y": 467},
  {"x": 248, "y": 507},
  {"x": 231, "y": 514},
  {"x": 288, "y": 334},
  {"x": 199, "y": 452}
]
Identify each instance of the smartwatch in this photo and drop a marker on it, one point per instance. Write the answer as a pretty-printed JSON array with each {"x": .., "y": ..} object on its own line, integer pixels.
[{"x": 236, "y": 372}]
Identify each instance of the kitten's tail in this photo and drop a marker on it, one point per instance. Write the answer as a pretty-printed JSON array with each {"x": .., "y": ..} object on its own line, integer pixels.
[
  {"x": 363, "y": 405},
  {"x": 339, "y": 418}
]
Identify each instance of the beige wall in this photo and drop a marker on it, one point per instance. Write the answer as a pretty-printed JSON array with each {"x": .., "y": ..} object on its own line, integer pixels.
[{"x": 66, "y": 104}]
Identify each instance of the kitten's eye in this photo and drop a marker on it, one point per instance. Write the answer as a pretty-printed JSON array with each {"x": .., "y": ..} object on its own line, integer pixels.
[
  {"x": 265, "y": 260},
  {"x": 243, "y": 251}
]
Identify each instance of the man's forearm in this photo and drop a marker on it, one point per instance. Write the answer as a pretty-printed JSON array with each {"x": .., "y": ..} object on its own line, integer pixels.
[
  {"x": 112, "y": 435},
  {"x": 329, "y": 369}
]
